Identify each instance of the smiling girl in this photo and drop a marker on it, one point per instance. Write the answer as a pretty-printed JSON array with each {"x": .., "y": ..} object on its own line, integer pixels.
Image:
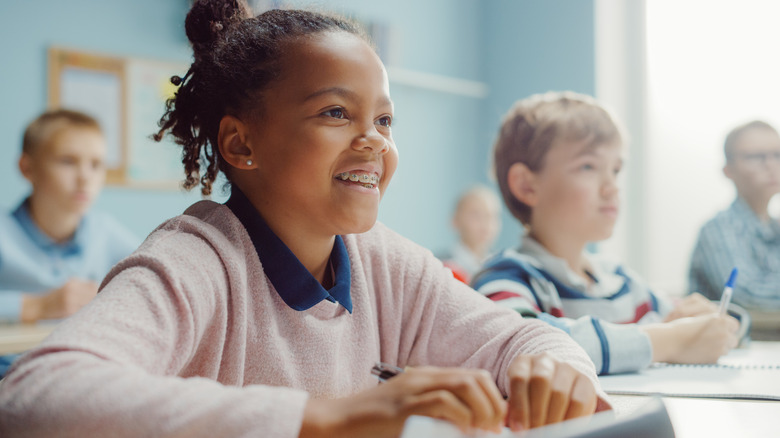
[{"x": 265, "y": 315}]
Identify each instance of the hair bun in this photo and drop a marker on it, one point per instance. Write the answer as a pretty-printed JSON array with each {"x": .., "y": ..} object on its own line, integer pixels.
[{"x": 208, "y": 18}]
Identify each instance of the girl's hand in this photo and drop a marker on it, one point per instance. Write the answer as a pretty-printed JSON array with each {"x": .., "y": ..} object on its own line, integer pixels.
[
  {"x": 468, "y": 398},
  {"x": 545, "y": 391},
  {"x": 692, "y": 305}
]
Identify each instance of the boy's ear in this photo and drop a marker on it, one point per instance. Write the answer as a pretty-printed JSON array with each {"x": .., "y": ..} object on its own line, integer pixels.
[
  {"x": 728, "y": 172},
  {"x": 26, "y": 166},
  {"x": 233, "y": 146},
  {"x": 521, "y": 181}
]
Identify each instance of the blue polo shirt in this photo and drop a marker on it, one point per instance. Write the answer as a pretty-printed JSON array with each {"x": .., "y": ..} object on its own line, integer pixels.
[
  {"x": 31, "y": 262},
  {"x": 292, "y": 281}
]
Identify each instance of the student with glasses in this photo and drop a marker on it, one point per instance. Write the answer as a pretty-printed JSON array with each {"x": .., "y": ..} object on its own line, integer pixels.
[{"x": 744, "y": 235}]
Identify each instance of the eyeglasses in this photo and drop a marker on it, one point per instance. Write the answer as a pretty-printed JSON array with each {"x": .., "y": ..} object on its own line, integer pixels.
[{"x": 758, "y": 158}]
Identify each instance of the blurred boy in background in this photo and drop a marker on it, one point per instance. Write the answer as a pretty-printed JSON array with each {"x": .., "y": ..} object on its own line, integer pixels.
[
  {"x": 744, "y": 235},
  {"x": 557, "y": 159},
  {"x": 477, "y": 221},
  {"x": 53, "y": 252}
]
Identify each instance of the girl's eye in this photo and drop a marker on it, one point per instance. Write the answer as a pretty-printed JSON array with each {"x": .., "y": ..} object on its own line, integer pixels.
[
  {"x": 587, "y": 167},
  {"x": 386, "y": 121},
  {"x": 336, "y": 113}
]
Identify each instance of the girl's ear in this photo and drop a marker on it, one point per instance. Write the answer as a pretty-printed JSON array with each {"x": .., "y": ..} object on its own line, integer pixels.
[
  {"x": 233, "y": 145},
  {"x": 522, "y": 184}
]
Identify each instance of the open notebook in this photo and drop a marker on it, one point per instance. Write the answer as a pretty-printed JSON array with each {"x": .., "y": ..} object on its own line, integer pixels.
[
  {"x": 751, "y": 373},
  {"x": 649, "y": 420}
]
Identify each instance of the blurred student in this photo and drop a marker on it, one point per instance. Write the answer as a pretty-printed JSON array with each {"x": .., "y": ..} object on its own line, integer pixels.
[
  {"x": 557, "y": 159},
  {"x": 263, "y": 316},
  {"x": 744, "y": 235},
  {"x": 477, "y": 221},
  {"x": 53, "y": 252}
]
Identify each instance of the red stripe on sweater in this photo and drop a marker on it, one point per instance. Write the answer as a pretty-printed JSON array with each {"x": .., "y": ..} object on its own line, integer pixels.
[
  {"x": 503, "y": 295},
  {"x": 640, "y": 312},
  {"x": 556, "y": 312}
]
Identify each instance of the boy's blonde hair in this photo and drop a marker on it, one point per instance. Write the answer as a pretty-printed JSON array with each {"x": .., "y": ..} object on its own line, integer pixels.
[
  {"x": 45, "y": 127},
  {"x": 535, "y": 124}
]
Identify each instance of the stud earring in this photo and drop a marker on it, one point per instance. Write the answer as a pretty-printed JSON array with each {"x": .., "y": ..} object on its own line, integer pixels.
[{"x": 248, "y": 162}]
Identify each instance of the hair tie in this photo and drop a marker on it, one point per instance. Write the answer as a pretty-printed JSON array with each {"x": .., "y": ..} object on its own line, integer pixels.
[{"x": 177, "y": 80}]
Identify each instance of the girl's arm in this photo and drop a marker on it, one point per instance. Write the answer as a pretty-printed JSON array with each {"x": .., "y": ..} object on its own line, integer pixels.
[
  {"x": 430, "y": 318},
  {"x": 111, "y": 369}
]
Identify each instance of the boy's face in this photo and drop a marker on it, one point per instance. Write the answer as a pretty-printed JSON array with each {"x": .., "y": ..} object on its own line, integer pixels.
[
  {"x": 755, "y": 164},
  {"x": 577, "y": 192},
  {"x": 67, "y": 172},
  {"x": 478, "y": 222}
]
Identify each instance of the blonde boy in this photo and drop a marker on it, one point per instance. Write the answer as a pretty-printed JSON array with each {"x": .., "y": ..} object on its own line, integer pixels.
[
  {"x": 557, "y": 158},
  {"x": 53, "y": 253}
]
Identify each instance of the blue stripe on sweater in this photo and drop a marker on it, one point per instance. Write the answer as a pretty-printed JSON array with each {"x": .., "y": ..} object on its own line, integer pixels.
[
  {"x": 604, "y": 346},
  {"x": 500, "y": 268}
]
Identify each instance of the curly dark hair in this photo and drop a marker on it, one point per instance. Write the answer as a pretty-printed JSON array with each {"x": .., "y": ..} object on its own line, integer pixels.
[{"x": 235, "y": 56}]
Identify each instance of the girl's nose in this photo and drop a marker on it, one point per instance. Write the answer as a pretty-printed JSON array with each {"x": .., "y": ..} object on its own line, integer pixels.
[{"x": 372, "y": 139}]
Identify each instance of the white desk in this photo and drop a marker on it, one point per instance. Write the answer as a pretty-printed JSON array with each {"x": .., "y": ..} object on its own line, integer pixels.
[
  {"x": 16, "y": 338},
  {"x": 708, "y": 417},
  {"x": 696, "y": 417}
]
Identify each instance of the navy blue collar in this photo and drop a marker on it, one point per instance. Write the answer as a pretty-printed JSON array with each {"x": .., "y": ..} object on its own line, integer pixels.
[{"x": 294, "y": 284}]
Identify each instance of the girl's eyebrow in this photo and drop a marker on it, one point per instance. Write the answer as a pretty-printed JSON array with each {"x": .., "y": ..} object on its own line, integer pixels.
[
  {"x": 340, "y": 91},
  {"x": 343, "y": 92}
]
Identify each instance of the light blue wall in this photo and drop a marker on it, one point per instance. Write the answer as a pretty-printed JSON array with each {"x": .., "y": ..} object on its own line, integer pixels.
[{"x": 516, "y": 47}]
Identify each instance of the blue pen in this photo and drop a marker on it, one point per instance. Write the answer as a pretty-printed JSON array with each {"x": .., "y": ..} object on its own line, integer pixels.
[{"x": 725, "y": 299}]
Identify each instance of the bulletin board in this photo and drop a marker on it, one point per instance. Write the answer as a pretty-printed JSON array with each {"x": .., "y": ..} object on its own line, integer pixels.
[{"x": 127, "y": 97}]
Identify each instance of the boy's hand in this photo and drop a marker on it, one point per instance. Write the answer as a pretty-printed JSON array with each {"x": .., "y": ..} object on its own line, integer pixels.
[
  {"x": 466, "y": 397},
  {"x": 697, "y": 339},
  {"x": 703, "y": 339},
  {"x": 694, "y": 304},
  {"x": 545, "y": 391},
  {"x": 58, "y": 303}
]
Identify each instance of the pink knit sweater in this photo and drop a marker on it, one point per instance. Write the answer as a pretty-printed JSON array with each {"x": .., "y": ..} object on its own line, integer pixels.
[{"x": 189, "y": 338}]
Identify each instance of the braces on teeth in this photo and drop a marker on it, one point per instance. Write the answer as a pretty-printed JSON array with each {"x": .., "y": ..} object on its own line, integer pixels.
[{"x": 367, "y": 181}]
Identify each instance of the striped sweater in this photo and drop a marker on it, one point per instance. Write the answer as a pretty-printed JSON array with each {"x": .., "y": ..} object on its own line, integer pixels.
[{"x": 599, "y": 315}]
